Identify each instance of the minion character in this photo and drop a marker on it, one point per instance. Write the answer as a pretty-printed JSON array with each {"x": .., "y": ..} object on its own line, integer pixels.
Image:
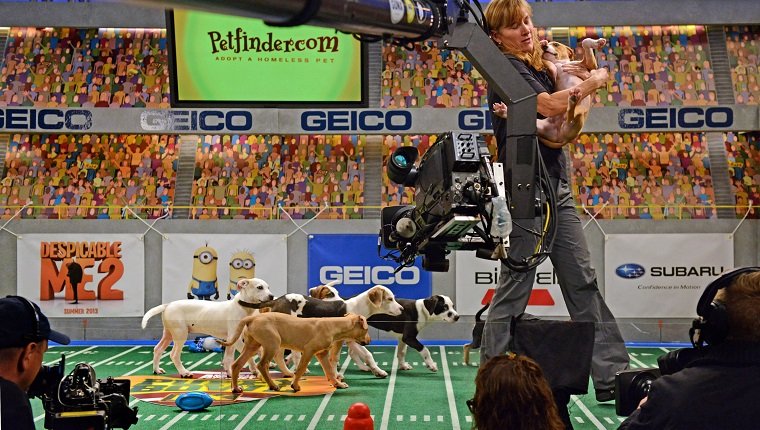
[
  {"x": 204, "y": 282},
  {"x": 242, "y": 266}
]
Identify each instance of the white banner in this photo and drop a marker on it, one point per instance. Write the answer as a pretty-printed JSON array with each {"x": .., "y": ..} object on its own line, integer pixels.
[
  {"x": 113, "y": 274},
  {"x": 205, "y": 263},
  {"x": 476, "y": 279},
  {"x": 662, "y": 275}
]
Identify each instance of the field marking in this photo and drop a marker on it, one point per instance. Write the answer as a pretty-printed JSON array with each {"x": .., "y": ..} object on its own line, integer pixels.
[
  {"x": 70, "y": 355},
  {"x": 115, "y": 356},
  {"x": 326, "y": 399},
  {"x": 174, "y": 420},
  {"x": 389, "y": 394},
  {"x": 588, "y": 413},
  {"x": 449, "y": 391},
  {"x": 637, "y": 361},
  {"x": 250, "y": 414}
]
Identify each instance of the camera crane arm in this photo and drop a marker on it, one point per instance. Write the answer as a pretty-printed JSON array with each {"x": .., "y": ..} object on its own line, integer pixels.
[{"x": 445, "y": 20}]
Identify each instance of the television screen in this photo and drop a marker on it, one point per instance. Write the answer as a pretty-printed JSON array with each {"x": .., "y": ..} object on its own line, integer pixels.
[{"x": 223, "y": 60}]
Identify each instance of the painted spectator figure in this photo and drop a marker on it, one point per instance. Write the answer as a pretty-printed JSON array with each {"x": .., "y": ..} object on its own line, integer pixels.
[
  {"x": 24, "y": 336},
  {"x": 74, "y": 273}
]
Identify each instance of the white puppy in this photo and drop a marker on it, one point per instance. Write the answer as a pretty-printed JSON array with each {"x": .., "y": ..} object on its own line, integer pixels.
[{"x": 219, "y": 319}]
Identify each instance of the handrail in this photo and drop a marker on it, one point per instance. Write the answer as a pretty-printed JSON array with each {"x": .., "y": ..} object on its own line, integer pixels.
[{"x": 333, "y": 212}]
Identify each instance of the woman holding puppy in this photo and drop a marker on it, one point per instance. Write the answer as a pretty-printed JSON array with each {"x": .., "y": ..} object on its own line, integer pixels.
[{"x": 513, "y": 32}]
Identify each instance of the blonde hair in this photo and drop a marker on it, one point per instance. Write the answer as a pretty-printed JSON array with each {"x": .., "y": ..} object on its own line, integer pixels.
[
  {"x": 507, "y": 13},
  {"x": 742, "y": 302}
]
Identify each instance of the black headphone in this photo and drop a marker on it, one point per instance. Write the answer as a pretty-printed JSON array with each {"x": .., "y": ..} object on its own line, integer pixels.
[
  {"x": 36, "y": 334},
  {"x": 711, "y": 326}
]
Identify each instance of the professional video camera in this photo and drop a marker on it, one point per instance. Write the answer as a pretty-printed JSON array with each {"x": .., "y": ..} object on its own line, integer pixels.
[
  {"x": 633, "y": 385},
  {"x": 460, "y": 204},
  {"x": 79, "y": 401}
]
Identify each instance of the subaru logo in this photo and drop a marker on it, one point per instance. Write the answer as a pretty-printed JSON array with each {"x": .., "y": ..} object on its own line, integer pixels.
[{"x": 630, "y": 271}]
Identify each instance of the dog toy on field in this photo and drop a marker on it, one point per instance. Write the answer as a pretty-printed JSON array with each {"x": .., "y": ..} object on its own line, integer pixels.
[
  {"x": 358, "y": 418},
  {"x": 205, "y": 344},
  {"x": 193, "y": 401}
]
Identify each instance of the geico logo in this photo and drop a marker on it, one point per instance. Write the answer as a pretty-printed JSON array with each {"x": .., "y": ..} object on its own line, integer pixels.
[
  {"x": 686, "y": 271},
  {"x": 352, "y": 120},
  {"x": 206, "y": 120},
  {"x": 475, "y": 120},
  {"x": 45, "y": 119},
  {"x": 365, "y": 275},
  {"x": 688, "y": 117}
]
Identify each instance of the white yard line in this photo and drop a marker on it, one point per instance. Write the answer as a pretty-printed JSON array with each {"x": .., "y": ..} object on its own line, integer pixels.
[
  {"x": 588, "y": 413},
  {"x": 70, "y": 355},
  {"x": 326, "y": 399},
  {"x": 637, "y": 361},
  {"x": 389, "y": 394},
  {"x": 449, "y": 391},
  {"x": 250, "y": 414},
  {"x": 115, "y": 356}
]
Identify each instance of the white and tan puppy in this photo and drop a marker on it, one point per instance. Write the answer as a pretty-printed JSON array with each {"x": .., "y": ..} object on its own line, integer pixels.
[
  {"x": 219, "y": 319},
  {"x": 272, "y": 331}
]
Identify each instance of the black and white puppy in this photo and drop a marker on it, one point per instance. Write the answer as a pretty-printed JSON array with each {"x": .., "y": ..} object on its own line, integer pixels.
[{"x": 416, "y": 315}]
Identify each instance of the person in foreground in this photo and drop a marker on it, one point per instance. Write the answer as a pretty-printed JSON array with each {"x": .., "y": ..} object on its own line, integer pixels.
[
  {"x": 24, "y": 335},
  {"x": 513, "y": 32},
  {"x": 720, "y": 388},
  {"x": 511, "y": 393}
]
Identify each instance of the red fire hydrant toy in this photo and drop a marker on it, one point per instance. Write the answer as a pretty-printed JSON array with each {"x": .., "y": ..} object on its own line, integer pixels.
[{"x": 358, "y": 418}]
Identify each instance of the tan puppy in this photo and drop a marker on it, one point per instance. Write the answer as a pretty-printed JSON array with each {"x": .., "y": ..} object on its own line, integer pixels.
[
  {"x": 272, "y": 331},
  {"x": 558, "y": 130}
]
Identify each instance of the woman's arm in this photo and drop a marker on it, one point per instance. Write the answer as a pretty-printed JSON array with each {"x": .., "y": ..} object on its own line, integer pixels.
[{"x": 556, "y": 103}]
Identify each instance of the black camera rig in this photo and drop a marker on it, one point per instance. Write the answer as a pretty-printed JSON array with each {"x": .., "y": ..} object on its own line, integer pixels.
[
  {"x": 80, "y": 401},
  {"x": 633, "y": 385},
  {"x": 460, "y": 203}
]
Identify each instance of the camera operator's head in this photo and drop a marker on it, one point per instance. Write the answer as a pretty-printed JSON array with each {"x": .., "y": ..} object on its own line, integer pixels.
[
  {"x": 24, "y": 335},
  {"x": 742, "y": 303},
  {"x": 729, "y": 309}
]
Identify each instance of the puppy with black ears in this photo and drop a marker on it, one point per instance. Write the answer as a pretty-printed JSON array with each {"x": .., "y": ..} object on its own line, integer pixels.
[{"x": 416, "y": 316}]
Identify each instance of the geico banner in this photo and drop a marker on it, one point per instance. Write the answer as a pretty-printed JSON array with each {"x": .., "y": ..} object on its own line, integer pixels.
[
  {"x": 112, "y": 282},
  {"x": 354, "y": 121},
  {"x": 208, "y": 266},
  {"x": 662, "y": 275},
  {"x": 477, "y": 279},
  {"x": 353, "y": 261}
]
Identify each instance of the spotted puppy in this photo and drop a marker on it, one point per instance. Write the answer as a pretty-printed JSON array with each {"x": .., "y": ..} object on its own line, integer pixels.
[{"x": 416, "y": 316}]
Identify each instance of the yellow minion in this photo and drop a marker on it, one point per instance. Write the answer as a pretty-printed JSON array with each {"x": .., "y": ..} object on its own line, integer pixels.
[
  {"x": 242, "y": 266},
  {"x": 204, "y": 282}
]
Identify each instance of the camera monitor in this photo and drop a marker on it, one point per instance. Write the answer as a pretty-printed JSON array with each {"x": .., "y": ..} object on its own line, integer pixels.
[{"x": 220, "y": 60}]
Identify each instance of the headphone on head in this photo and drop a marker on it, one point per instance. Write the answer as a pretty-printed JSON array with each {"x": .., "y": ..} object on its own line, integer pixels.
[{"x": 711, "y": 326}]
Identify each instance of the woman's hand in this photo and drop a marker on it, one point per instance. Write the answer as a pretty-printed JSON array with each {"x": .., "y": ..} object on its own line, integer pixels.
[
  {"x": 576, "y": 69},
  {"x": 500, "y": 109}
]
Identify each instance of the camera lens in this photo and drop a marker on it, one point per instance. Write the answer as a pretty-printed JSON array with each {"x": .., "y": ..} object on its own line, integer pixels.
[{"x": 400, "y": 161}]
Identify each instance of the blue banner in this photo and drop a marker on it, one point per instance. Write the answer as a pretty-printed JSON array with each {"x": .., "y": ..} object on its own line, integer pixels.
[{"x": 352, "y": 260}]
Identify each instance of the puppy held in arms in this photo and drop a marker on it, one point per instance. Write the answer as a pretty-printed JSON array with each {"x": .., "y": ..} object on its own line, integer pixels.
[
  {"x": 558, "y": 130},
  {"x": 322, "y": 337}
]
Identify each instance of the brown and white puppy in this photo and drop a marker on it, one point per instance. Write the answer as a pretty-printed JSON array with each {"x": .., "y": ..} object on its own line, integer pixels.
[
  {"x": 376, "y": 300},
  {"x": 272, "y": 331},
  {"x": 558, "y": 130},
  {"x": 217, "y": 319}
]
